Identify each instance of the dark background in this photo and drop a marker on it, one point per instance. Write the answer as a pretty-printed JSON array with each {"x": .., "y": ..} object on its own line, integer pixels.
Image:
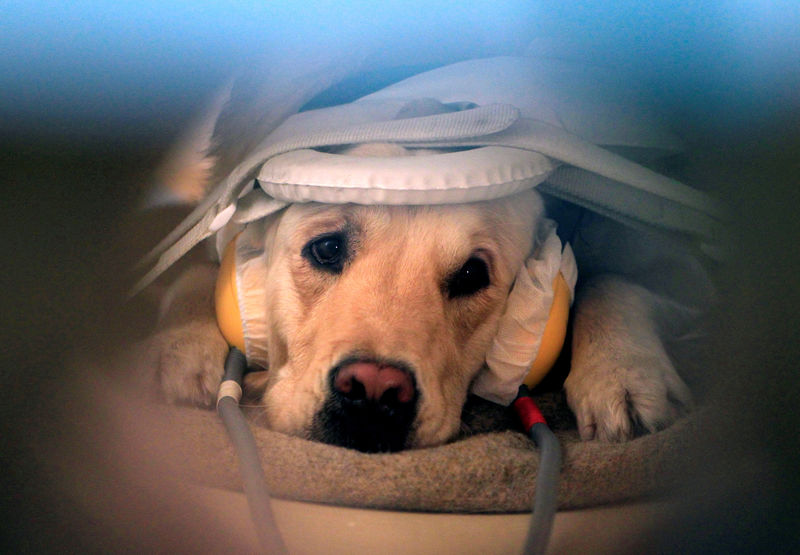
[{"x": 92, "y": 96}]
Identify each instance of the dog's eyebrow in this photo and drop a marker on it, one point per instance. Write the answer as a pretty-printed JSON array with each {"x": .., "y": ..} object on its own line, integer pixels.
[
  {"x": 483, "y": 241},
  {"x": 315, "y": 224},
  {"x": 486, "y": 252},
  {"x": 326, "y": 221}
]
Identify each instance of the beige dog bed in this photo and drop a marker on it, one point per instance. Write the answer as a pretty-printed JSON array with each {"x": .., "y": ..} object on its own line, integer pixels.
[{"x": 491, "y": 468}]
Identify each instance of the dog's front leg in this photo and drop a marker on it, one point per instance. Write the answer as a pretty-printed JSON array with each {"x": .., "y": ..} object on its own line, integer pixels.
[
  {"x": 622, "y": 383},
  {"x": 188, "y": 351}
]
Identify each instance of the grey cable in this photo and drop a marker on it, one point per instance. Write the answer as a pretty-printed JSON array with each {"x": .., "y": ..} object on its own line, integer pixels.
[
  {"x": 545, "y": 500},
  {"x": 253, "y": 480}
]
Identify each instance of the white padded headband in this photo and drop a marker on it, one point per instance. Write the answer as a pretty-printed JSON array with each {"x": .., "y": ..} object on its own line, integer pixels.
[{"x": 442, "y": 178}]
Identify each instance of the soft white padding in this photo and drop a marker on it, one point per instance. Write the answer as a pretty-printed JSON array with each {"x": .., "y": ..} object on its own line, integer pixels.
[{"x": 452, "y": 177}]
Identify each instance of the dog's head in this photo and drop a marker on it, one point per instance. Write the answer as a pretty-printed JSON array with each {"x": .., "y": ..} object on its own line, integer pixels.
[{"x": 379, "y": 317}]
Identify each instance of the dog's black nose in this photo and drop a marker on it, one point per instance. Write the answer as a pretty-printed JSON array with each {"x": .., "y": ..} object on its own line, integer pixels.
[{"x": 371, "y": 406}]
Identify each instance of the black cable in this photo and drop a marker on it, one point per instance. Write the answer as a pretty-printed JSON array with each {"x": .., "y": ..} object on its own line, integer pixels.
[{"x": 253, "y": 480}]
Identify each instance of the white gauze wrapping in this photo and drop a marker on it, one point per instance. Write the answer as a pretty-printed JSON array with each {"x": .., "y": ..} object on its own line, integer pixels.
[
  {"x": 251, "y": 286},
  {"x": 519, "y": 334}
]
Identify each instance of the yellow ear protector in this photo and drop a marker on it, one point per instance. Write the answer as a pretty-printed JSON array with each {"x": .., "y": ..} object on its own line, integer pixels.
[
  {"x": 226, "y": 299},
  {"x": 230, "y": 321},
  {"x": 555, "y": 331}
]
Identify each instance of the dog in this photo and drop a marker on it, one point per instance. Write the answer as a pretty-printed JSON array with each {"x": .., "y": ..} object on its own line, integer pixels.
[{"x": 380, "y": 317}]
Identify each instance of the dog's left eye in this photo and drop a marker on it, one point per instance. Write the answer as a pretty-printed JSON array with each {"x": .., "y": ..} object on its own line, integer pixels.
[
  {"x": 469, "y": 279},
  {"x": 327, "y": 252}
]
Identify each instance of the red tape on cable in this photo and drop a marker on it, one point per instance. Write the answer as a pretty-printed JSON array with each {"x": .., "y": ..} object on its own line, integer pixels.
[{"x": 528, "y": 413}]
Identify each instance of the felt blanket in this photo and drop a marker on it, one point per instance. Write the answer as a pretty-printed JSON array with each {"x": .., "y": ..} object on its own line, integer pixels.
[{"x": 489, "y": 468}]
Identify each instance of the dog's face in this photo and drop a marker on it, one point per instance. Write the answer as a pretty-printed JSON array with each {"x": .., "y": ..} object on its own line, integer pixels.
[{"x": 381, "y": 316}]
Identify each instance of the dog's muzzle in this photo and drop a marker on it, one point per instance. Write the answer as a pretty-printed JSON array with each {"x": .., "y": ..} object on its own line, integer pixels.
[{"x": 371, "y": 406}]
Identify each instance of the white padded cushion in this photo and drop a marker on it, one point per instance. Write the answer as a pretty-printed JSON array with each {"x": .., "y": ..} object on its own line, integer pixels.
[{"x": 452, "y": 177}]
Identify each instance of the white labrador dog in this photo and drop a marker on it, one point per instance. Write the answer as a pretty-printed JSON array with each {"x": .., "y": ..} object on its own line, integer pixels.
[{"x": 381, "y": 316}]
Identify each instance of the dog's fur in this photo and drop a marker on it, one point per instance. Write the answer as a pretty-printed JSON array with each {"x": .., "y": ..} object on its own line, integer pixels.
[{"x": 390, "y": 303}]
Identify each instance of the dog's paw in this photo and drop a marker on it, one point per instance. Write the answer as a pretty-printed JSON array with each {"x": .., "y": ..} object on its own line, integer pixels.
[
  {"x": 188, "y": 362},
  {"x": 620, "y": 398},
  {"x": 622, "y": 383}
]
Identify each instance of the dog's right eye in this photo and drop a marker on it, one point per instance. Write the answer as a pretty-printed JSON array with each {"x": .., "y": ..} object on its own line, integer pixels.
[{"x": 327, "y": 252}]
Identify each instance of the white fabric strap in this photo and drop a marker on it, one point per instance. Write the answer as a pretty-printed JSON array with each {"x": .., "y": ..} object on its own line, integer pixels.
[
  {"x": 629, "y": 205},
  {"x": 557, "y": 143}
]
